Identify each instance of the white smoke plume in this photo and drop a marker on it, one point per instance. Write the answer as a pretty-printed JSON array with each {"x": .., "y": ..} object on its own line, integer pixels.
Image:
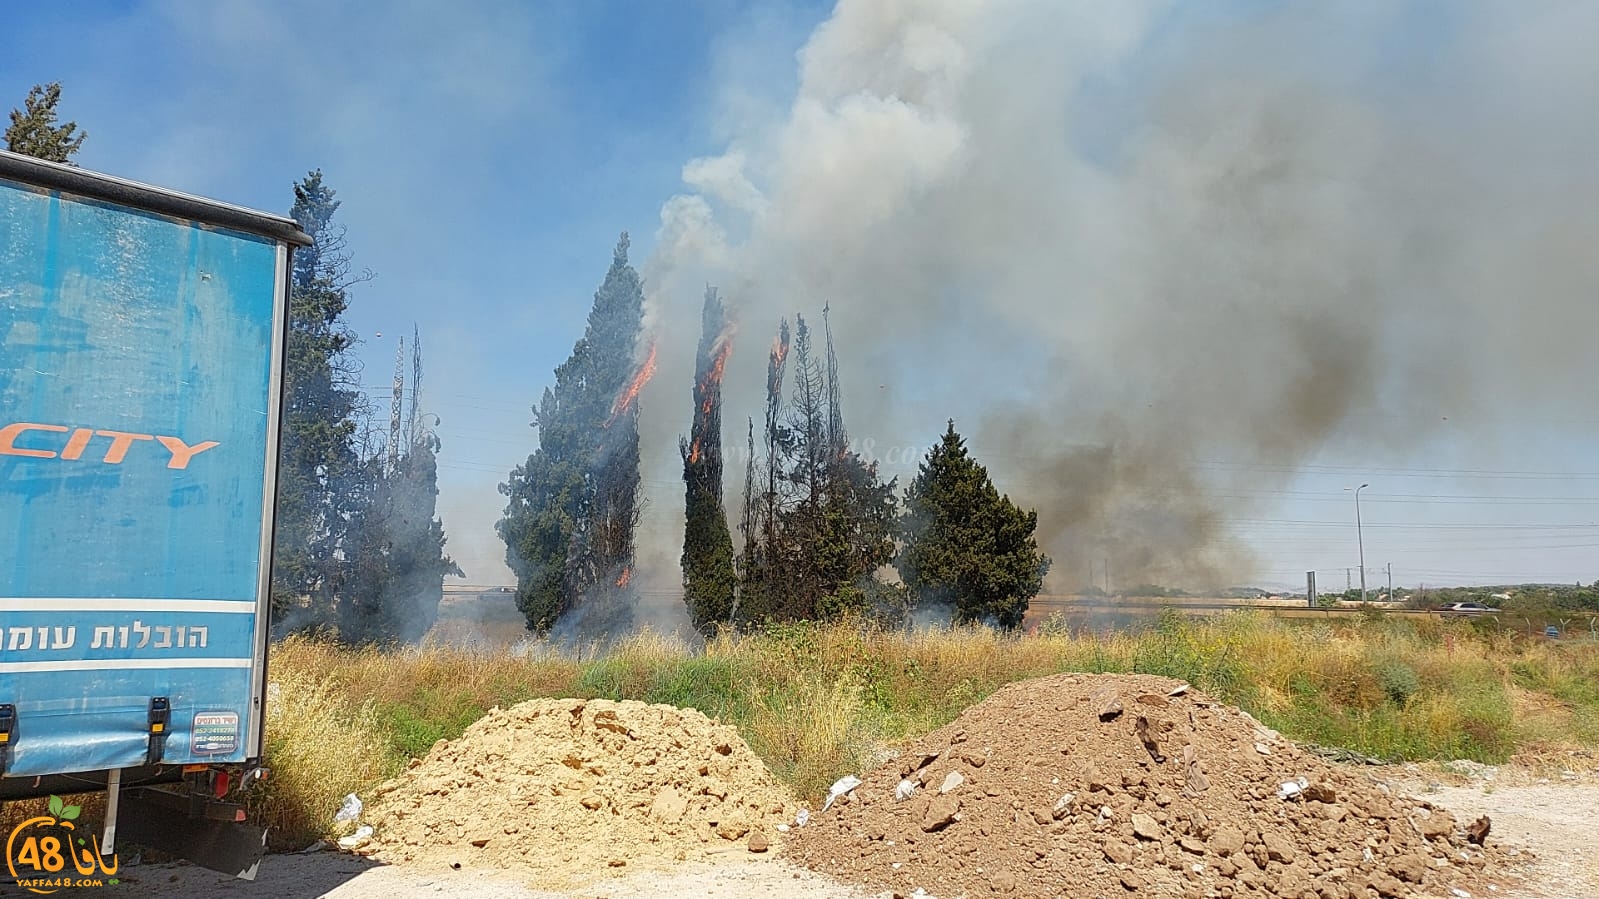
[{"x": 1111, "y": 239}]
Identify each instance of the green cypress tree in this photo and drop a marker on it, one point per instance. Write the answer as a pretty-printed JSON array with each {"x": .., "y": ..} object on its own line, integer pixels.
[
  {"x": 34, "y": 131},
  {"x": 966, "y": 546},
  {"x": 708, "y": 578},
  {"x": 321, "y": 479}
]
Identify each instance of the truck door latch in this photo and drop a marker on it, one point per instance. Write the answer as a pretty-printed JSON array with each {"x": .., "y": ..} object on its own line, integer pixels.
[
  {"x": 160, "y": 716},
  {"x": 8, "y": 724}
]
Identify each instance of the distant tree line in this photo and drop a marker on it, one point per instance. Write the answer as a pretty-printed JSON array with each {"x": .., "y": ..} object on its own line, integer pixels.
[{"x": 359, "y": 552}]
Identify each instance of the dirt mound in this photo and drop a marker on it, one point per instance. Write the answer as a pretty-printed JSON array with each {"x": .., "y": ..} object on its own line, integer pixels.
[
  {"x": 1103, "y": 785},
  {"x": 566, "y": 789}
]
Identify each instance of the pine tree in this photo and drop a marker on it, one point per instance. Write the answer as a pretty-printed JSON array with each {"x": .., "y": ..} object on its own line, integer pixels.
[
  {"x": 34, "y": 131},
  {"x": 966, "y": 546},
  {"x": 321, "y": 479},
  {"x": 573, "y": 505},
  {"x": 708, "y": 578}
]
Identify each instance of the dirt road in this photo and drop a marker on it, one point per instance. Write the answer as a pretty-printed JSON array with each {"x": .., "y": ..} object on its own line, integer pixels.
[{"x": 1557, "y": 819}]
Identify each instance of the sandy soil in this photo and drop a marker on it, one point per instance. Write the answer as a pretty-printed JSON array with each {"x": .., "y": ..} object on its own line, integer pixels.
[
  {"x": 341, "y": 876},
  {"x": 1556, "y": 818}
]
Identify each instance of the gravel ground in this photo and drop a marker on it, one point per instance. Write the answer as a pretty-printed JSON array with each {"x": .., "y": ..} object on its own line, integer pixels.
[{"x": 1558, "y": 819}]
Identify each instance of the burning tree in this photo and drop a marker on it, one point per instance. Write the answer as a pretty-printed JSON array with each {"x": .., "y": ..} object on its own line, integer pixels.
[
  {"x": 824, "y": 523},
  {"x": 573, "y": 505},
  {"x": 708, "y": 579}
]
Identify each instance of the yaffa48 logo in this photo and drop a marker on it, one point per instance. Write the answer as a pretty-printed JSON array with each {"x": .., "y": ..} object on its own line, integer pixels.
[{"x": 45, "y": 852}]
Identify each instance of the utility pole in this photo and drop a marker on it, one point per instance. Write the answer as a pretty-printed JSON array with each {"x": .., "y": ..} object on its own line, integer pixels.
[
  {"x": 1107, "y": 575},
  {"x": 1361, "y": 540},
  {"x": 1348, "y": 576},
  {"x": 396, "y": 406},
  {"x": 1390, "y": 582}
]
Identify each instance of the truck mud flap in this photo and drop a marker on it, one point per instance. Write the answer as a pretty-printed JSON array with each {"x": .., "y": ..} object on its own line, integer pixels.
[{"x": 203, "y": 831}]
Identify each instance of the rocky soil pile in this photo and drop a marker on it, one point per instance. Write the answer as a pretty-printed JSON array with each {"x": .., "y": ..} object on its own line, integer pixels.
[
  {"x": 1106, "y": 785},
  {"x": 565, "y": 789}
]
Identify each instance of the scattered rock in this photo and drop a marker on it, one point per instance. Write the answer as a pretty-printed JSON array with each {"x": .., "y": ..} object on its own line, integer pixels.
[
  {"x": 1196, "y": 781},
  {"x": 758, "y": 842},
  {"x": 1146, "y": 737},
  {"x": 1320, "y": 792},
  {"x": 1438, "y": 824},
  {"x": 1409, "y": 867},
  {"x": 1477, "y": 831},
  {"x": 1119, "y": 852},
  {"x": 1062, "y": 807},
  {"x": 1277, "y": 847},
  {"x": 941, "y": 813},
  {"x": 1146, "y": 828},
  {"x": 951, "y": 781},
  {"x": 1226, "y": 841},
  {"x": 1110, "y": 706}
]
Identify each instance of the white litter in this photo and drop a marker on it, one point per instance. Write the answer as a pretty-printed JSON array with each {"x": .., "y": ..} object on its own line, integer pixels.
[
  {"x": 954, "y": 780},
  {"x": 350, "y": 810},
  {"x": 1292, "y": 788},
  {"x": 905, "y": 789},
  {"x": 803, "y": 818},
  {"x": 840, "y": 787},
  {"x": 357, "y": 839}
]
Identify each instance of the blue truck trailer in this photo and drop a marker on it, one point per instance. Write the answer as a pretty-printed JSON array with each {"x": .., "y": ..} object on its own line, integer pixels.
[{"x": 142, "y": 338}]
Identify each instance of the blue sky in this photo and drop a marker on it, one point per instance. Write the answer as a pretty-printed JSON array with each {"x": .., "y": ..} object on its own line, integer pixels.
[{"x": 488, "y": 155}]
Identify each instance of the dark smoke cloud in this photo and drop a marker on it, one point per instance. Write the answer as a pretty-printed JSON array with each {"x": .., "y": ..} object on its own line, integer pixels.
[{"x": 1116, "y": 241}]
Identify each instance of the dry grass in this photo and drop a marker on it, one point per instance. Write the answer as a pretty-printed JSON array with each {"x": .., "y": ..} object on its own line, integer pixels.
[
  {"x": 817, "y": 702},
  {"x": 322, "y": 743}
]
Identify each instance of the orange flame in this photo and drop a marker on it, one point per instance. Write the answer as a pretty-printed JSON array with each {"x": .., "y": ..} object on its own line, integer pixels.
[
  {"x": 645, "y": 372},
  {"x": 627, "y": 575},
  {"x": 722, "y": 348},
  {"x": 779, "y": 350},
  {"x": 694, "y": 454}
]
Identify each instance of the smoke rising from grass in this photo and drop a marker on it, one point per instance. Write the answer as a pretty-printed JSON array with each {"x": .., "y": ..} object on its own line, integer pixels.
[{"x": 1114, "y": 239}]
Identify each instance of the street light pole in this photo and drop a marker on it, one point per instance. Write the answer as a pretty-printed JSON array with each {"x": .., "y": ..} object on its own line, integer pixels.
[{"x": 1361, "y": 541}]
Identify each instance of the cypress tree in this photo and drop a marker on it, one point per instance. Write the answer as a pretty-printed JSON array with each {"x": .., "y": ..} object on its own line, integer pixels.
[
  {"x": 320, "y": 475},
  {"x": 966, "y": 546},
  {"x": 708, "y": 578},
  {"x": 573, "y": 505}
]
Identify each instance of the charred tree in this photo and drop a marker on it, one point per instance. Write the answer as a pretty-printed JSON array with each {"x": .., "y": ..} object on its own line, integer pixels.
[
  {"x": 824, "y": 522},
  {"x": 708, "y": 578}
]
